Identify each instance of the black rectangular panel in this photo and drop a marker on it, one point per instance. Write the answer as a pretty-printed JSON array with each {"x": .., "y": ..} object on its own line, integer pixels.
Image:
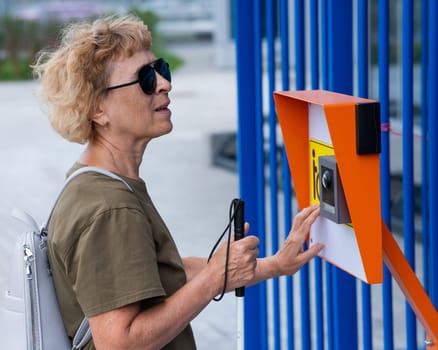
[{"x": 368, "y": 139}]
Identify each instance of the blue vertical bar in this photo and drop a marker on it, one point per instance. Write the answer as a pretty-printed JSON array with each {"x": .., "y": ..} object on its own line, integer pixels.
[
  {"x": 284, "y": 39},
  {"x": 324, "y": 44},
  {"x": 247, "y": 161},
  {"x": 388, "y": 336},
  {"x": 330, "y": 307},
  {"x": 260, "y": 174},
  {"x": 273, "y": 181},
  {"x": 433, "y": 145},
  {"x": 362, "y": 48},
  {"x": 290, "y": 310},
  {"x": 325, "y": 85},
  {"x": 287, "y": 187},
  {"x": 319, "y": 305},
  {"x": 260, "y": 151},
  {"x": 340, "y": 46},
  {"x": 259, "y": 120},
  {"x": 314, "y": 78},
  {"x": 314, "y": 42},
  {"x": 299, "y": 45},
  {"x": 425, "y": 237},
  {"x": 408, "y": 156},
  {"x": 340, "y": 74},
  {"x": 362, "y": 65},
  {"x": 300, "y": 77},
  {"x": 424, "y": 152}
]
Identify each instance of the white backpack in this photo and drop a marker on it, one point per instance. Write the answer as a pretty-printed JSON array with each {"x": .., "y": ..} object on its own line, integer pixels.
[{"x": 30, "y": 318}]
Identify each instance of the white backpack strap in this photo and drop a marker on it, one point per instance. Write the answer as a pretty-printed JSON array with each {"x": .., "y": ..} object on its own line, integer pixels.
[
  {"x": 82, "y": 336},
  {"x": 95, "y": 169}
]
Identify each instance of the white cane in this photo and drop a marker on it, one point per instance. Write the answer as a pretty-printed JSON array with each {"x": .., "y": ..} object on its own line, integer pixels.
[
  {"x": 240, "y": 323},
  {"x": 239, "y": 228}
]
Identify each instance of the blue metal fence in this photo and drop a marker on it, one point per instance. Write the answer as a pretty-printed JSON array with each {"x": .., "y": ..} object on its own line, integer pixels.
[{"x": 322, "y": 307}]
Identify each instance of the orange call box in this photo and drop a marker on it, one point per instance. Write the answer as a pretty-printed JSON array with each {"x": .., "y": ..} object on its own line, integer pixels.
[{"x": 344, "y": 132}]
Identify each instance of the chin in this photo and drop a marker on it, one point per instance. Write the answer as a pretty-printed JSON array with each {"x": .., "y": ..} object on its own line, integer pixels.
[
  {"x": 166, "y": 130},
  {"x": 170, "y": 128}
]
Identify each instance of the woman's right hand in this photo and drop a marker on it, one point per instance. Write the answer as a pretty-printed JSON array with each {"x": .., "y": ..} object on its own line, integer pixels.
[{"x": 242, "y": 263}]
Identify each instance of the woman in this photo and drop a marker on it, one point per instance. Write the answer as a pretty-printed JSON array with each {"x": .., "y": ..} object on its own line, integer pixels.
[{"x": 112, "y": 257}]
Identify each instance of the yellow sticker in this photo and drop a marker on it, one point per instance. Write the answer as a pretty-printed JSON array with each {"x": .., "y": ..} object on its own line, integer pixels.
[{"x": 317, "y": 149}]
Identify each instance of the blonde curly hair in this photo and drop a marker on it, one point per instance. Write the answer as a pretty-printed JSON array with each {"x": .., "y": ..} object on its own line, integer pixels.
[{"x": 73, "y": 78}]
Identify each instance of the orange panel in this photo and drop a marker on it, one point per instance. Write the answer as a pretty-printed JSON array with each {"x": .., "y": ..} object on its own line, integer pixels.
[
  {"x": 360, "y": 176},
  {"x": 321, "y": 97},
  {"x": 410, "y": 285},
  {"x": 293, "y": 116}
]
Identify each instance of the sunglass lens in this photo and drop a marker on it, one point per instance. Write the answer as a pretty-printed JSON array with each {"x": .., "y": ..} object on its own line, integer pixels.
[
  {"x": 147, "y": 79},
  {"x": 162, "y": 67}
]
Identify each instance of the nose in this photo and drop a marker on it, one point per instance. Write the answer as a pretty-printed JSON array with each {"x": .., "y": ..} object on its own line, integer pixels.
[{"x": 163, "y": 85}]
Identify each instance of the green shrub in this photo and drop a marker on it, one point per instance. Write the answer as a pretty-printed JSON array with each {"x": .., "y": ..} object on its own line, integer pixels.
[
  {"x": 20, "y": 41},
  {"x": 18, "y": 69}
]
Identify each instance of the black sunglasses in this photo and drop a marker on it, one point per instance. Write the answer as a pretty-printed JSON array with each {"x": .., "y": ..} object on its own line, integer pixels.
[{"x": 147, "y": 78}]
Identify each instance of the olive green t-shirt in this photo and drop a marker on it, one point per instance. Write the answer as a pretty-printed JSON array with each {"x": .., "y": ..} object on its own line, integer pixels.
[{"x": 108, "y": 247}]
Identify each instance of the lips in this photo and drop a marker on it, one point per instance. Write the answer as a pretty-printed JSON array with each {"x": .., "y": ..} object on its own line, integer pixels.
[{"x": 163, "y": 107}]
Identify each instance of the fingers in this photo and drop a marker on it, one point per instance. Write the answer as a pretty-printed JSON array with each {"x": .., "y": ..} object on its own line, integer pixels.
[
  {"x": 248, "y": 245},
  {"x": 307, "y": 216},
  {"x": 240, "y": 265},
  {"x": 313, "y": 251},
  {"x": 302, "y": 223},
  {"x": 242, "y": 261},
  {"x": 302, "y": 258},
  {"x": 245, "y": 249},
  {"x": 246, "y": 230},
  {"x": 292, "y": 256}
]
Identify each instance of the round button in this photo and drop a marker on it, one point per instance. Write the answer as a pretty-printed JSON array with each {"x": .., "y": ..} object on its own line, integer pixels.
[{"x": 326, "y": 179}]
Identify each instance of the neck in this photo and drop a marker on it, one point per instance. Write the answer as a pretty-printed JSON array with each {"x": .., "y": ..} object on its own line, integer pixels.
[{"x": 104, "y": 154}]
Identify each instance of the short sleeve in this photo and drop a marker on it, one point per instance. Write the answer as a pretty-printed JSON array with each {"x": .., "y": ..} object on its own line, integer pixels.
[{"x": 114, "y": 262}]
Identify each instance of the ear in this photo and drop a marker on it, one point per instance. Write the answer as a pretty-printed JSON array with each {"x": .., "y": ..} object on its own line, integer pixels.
[{"x": 99, "y": 116}]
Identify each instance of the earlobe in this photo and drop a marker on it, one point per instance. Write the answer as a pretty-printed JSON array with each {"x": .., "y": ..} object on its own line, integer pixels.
[{"x": 99, "y": 117}]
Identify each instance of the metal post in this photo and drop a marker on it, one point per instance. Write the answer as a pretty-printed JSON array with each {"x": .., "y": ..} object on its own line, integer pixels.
[
  {"x": 270, "y": 16},
  {"x": 433, "y": 145},
  {"x": 287, "y": 186},
  {"x": 408, "y": 156},
  {"x": 388, "y": 335},
  {"x": 363, "y": 72},
  {"x": 340, "y": 79},
  {"x": 246, "y": 21},
  {"x": 314, "y": 83}
]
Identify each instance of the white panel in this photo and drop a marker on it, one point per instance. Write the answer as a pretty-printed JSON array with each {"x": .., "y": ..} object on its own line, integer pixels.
[{"x": 341, "y": 248}]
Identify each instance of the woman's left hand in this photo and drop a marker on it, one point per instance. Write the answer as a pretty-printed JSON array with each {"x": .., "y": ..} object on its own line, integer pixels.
[{"x": 291, "y": 256}]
